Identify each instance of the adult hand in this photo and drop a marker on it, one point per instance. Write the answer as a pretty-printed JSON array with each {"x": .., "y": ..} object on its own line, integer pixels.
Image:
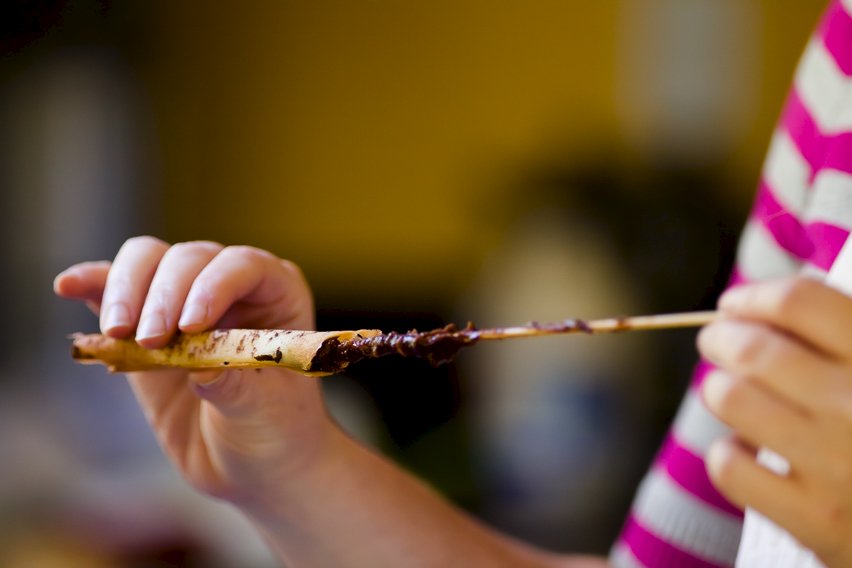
[
  {"x": 784, "y": 350},
  {"x": 233, "y": 434}
]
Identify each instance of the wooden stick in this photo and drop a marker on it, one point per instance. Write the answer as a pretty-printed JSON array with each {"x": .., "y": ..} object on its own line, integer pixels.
[
  {"x": 327, "y": 352},
  {"x": 608, "y": 325}
]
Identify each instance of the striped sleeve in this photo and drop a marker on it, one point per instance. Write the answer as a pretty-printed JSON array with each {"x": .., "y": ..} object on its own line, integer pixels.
[
  {"x": 823, "y": 98},
  {"x": 819, "y": 116},
  {"x": 677, "y": 517}
]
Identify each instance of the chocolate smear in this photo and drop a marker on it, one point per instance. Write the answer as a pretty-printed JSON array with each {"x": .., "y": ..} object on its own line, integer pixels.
[
  {"x": 437, "y": 346},
  {"x": 276, "y": 357}
]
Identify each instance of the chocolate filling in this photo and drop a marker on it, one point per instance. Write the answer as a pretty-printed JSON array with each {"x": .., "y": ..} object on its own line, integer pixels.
[{"x": 438, "y": 346}]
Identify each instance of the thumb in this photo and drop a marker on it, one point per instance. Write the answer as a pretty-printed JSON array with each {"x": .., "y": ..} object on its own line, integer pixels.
[
  {"x": 204, "y": 378},
  {"x": 222, "y": 389},
  {"x": 248, "y": 394}
]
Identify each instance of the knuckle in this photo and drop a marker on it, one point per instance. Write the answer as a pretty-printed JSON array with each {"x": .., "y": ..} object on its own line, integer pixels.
[
  {"x": 721, "y": 465},
  {"x": 748, "y": 350},
  {"x": 833, "y": 520},
  {"x": 145, "y": 241},
  {"x": 839, "y": 470},
  {"x": 118, "y": 287},
  {"x": 159, "y": 299},
  {"x": 195, "y": 247},
  {"x": 205, "y": 286},
  {"x": 836, "y": 404},
  {"x": 248, "y": 252},
  {"x": 207, "y": 245},
  {"x": 792, "y": 296},
  {"x": 293, "y": 269},
  {"x": 731, "y": 399},
  {"x": 842, "y": 406}
]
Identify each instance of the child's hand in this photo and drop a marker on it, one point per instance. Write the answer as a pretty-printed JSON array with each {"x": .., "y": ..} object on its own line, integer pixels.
[
  {"x": 234, "y": 434},
  {"x": 785, "y": 353}
]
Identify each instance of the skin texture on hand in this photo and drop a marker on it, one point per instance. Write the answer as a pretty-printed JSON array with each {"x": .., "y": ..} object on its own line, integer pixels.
[
  {"x": 261, "y": 439},
  {"x": 784, "y": 350},
  {"x": 231, "y": 435}
]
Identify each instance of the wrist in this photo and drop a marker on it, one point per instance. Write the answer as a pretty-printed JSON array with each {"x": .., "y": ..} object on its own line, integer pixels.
[{"x": 283, "y": 492}]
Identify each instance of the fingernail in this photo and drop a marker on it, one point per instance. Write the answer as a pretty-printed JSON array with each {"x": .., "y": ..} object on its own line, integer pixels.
[
  {"x": 716, "y": 454},
  {"x": 117, "y": 316},
  {"x": 64, "y": 277},
  {"x": 713, "y": 387},
  {"x": 193, "y": 314},
  {"x": 705, "y": 338},
  {"x": 67, "y": 273},
  {"x": 153, "y": 325}
]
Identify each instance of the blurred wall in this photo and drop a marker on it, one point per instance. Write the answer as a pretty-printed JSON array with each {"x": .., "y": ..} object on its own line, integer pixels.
[{"x": 371, "y": 141}]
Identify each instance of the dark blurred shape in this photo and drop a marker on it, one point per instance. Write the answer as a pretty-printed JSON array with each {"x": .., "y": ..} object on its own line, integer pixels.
[
  {"x": 22, "y": 22},
  {"x": 670, "y": 225},
  {"x": 597, "y": 240},
  {"x": 30, "y": 27},
  {"x": 421, "y": 408},
  {"x": 413, "y": 397}
]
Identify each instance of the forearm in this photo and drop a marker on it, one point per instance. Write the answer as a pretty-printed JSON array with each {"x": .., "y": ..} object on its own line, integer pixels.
[{"x": 356, "y": 509}]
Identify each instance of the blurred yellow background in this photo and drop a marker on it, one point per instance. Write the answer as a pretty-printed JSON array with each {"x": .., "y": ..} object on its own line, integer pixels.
[{"x": 371, "y": 140}]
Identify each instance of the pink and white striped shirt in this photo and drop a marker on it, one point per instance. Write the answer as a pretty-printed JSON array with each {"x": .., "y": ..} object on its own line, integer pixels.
[{"x": 801, "y": 217}]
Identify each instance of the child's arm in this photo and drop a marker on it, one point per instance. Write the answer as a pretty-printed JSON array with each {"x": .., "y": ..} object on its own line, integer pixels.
[{"x": 262, "y": 439}]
